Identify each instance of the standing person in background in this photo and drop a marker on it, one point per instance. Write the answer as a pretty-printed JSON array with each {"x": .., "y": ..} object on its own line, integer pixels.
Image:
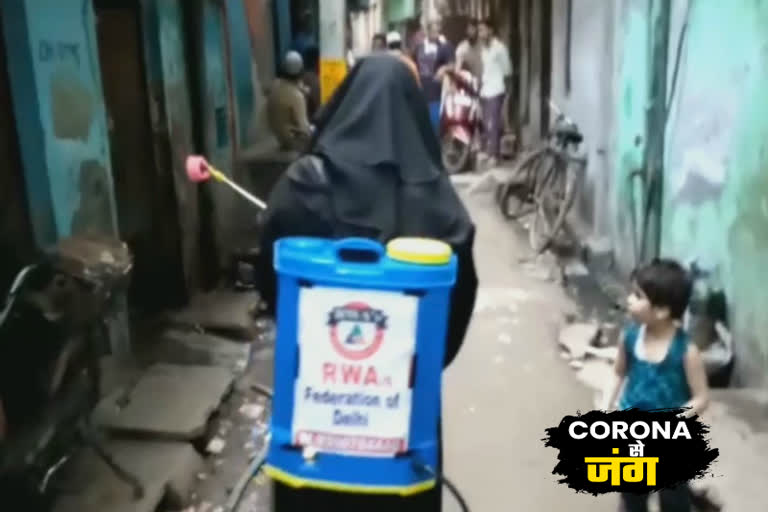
[
  {"x": 287, "y": 106},
  {"x": 433, "y": 57},
  {"x": 395, "y": 47},
  {"x": 379, "y": 43},
  {"x": 395, "y": 42},
  {"x": 496, "y": 81},
  {"x": 470, "y": 52}
]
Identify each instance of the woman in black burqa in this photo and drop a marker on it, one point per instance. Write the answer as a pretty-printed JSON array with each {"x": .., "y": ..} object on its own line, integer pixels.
[{"x": 373, "y": 170}]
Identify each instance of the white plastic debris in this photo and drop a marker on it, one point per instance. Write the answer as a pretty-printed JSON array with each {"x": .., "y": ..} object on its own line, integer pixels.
[
  {"x": 216, "y": 446},
  {"x": 252, "y": 411}
]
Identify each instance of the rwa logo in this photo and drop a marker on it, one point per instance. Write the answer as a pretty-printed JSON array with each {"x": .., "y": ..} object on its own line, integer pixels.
[
  {"x": 630, "y": 451},
  {"x": 357, "y": 330}
]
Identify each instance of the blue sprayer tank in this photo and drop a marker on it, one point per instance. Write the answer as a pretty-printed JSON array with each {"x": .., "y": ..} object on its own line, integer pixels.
[{"x": 361, "y": 334}]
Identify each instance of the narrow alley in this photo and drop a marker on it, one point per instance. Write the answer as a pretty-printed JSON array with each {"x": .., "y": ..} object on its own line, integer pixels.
[
  {"x": 232, "y": 262},
  {"x": 509, "y": 383}
]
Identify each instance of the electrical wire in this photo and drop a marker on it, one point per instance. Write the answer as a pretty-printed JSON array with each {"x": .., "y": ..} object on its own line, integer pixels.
[{"x": 444, "y": 480}]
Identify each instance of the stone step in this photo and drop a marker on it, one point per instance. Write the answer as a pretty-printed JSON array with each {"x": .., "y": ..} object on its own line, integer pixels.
[
  {"x": 166, "y": 470},
  {"x": 169, "y": 402}
]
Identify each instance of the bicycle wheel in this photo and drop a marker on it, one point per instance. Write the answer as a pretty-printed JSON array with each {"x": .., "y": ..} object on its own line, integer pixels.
[
  {"x": 514, "y": 197},
  {"x": 549, "y": 203},
  {"x": 571, "y": 182}
]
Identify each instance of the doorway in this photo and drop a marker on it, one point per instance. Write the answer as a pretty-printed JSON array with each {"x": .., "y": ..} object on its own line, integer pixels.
[
  {"x": 146, "y": 204},
  {"x": 17, "y": 244}
]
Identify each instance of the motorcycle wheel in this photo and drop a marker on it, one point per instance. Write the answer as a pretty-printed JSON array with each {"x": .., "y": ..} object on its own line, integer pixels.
[{"x": 455, "y": 154}]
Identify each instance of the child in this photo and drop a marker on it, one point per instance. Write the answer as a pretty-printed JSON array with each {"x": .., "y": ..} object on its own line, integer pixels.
[{"x": 657, "y": 365}]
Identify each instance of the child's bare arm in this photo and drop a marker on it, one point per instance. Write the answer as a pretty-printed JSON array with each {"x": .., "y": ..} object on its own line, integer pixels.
[
  {"x": 611, "y": 391},
  {"x": 696, "y": 376}
]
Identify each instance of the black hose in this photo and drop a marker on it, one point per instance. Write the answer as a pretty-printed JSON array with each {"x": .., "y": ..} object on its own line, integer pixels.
[{"x": 443, "y": 480}]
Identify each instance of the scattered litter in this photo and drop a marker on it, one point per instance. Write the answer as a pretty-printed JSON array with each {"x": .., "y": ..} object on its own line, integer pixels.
[
  {"x": 202, "y": 476},
  {"x": 576, "y": 364},
  {"x": 605, "y": 353},
  {"x": 505, "y": 338},
  {"x": 577, "y": 338},
  {"x": 518, "y": 294},
  {"x": 609, "y": 335},
  {"x": 536, "y": 271},
  {"x": 575, "y": 268},
  {"x": 216, "y": 446},
  {"x": 241, "y": 365},
  {"x": 252, "y": 411},
  {"x": 259, "y": 429},
  {"x": 595, "y": 373},
  {"x": 249, "y": 446}
]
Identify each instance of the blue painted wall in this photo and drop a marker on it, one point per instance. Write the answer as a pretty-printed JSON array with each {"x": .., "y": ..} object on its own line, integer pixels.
[
  {"x": 240, "y": 41},
  {"x": 57, "y": 94}
]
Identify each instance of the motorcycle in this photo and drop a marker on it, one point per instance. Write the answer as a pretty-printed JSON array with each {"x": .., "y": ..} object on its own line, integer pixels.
[
  {"x": 460, "y": 121},
  {"x": 52, "y": 333}
]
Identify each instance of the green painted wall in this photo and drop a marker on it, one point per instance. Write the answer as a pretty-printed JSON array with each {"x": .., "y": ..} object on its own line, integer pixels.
[
  {"x": 716, "y": 181},
  {"x": 632, "y": 97},
  {"x": 399, "y": 10}
]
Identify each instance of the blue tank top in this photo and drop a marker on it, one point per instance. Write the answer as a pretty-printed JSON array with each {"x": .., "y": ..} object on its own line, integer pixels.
[{"x": 650, "y": 386}]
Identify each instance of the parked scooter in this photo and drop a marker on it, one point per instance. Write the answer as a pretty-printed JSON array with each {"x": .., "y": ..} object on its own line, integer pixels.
[
  {"x": 460, "y": 120},
  {"x": 52, "y": 332}
]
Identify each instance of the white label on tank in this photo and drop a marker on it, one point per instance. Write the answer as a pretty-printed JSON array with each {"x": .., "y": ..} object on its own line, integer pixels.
[{"x": 353, "y": 392}]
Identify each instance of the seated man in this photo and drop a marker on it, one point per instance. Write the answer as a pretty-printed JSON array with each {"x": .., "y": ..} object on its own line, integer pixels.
[{"x": 287, "y": 106}]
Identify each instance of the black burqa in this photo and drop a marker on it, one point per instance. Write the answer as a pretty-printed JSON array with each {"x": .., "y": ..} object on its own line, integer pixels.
[{"x": 374, "y": 170}]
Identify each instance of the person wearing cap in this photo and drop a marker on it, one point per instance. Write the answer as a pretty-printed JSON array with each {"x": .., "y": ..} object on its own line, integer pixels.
[
  {"x": 394, "y": 41},
  {"x": 287, "y": 105}
]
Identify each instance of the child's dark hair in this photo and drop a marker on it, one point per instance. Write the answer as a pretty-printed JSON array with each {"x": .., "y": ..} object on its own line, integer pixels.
[{"x": 666, "y": 284}]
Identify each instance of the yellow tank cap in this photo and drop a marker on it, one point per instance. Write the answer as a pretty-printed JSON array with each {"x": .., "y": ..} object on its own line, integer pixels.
[{"x": 424, "y": 251}]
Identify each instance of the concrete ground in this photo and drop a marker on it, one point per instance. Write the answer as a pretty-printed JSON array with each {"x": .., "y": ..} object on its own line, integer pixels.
[{"x": 509, "y": 383}]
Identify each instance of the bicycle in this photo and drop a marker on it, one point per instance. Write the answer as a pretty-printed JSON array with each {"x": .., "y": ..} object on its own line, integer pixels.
[{"x": 545, "y": 184}]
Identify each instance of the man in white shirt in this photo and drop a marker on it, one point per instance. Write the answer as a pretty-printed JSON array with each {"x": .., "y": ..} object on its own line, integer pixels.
[{"x": 497, "y": 74}]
